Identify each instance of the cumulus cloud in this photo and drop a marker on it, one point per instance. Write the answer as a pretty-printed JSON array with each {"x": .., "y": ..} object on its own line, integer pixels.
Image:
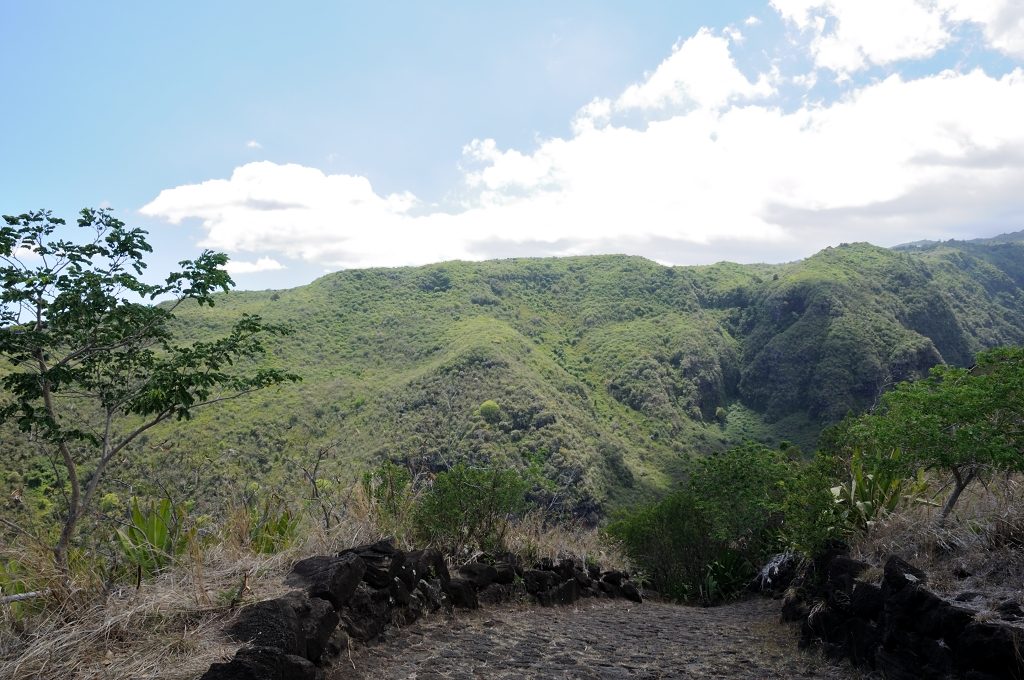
[
  {"x": 723, "y": 172},
  {"x": 253, "y": 144},
  {"x": 850, "y": 35},
  {"x": 699, "y": 72},
  {"x": 1002, "y": 21},
  {"x": 263, "y": 264}
]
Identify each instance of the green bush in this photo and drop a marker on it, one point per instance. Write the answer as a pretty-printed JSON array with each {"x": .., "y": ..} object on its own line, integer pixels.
[
  {"x": 705, "y": 541},
  {"x": 470, "y": 507},
  {"x": 490, "y": 411},
  {"x": 671, "y": 541}
]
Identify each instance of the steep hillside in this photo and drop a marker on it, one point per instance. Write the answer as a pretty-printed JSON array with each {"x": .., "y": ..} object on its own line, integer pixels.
[{"x": 609, "y": 371}]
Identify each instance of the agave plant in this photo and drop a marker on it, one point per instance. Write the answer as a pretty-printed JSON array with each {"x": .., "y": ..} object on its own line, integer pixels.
[
  {"x": 271, "y": 529},
  {"x": 876, "y": 487},
  {"x": 155, "y": 534}
]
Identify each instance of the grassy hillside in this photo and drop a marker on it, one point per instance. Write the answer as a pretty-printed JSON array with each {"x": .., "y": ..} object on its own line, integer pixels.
[{"x": 609, "y": 371}]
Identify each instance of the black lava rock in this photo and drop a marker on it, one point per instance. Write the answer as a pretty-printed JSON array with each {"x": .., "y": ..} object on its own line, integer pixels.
[
  {"x": 263, "y": 663},
  {"x": 331, "y": 578}
]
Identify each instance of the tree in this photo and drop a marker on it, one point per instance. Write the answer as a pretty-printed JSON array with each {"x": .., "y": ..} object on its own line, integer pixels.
[
  {"x": 490, "y": 411},
  {"x": 92, "y": 366},
  {"x": 966, "y": 422}
]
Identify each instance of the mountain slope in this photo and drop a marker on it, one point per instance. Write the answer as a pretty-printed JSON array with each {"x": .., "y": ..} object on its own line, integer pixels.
[{"x": 610, "y": 371}]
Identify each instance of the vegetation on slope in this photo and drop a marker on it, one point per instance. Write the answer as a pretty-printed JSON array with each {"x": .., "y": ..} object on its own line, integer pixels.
[{"x": 610, "y": 372}]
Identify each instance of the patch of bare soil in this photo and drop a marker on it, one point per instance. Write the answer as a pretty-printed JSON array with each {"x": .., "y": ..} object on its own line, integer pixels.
[{"x": 597, "y": 639}]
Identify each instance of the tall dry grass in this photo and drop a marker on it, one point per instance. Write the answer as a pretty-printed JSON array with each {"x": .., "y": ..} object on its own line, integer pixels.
[
  {"x": 169, "y": 627},
  {"x": 166, "y": 628},
  {"x": 980, "y": 547}
]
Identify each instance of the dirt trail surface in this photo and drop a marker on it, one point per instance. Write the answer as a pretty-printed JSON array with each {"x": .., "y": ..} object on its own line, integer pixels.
[{"x": 596, "y": 639}]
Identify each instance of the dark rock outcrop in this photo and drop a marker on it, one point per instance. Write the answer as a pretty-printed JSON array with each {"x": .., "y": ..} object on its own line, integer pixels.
[
  {"x": 331, "y": 578},
  {"x": 899, "y": 627},
  {"x": 462, "y": 593},
  {"x": 367, "y": 613},
  {"x": 481, "y": 575},
  {"x": 263, "y": 663},
  {"x": 294, "y": 623},
  {"x": 429, "y": 564},
  {"x": 382, "y": 559}
]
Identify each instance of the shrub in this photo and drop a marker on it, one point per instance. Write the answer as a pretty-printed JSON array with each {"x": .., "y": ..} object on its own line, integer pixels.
[
  {"x": 705, "y": 540},
  {"x": 670, "y": 540},
  {"x": 490, "y": 411},
  {"x": 470, "y": 507}
]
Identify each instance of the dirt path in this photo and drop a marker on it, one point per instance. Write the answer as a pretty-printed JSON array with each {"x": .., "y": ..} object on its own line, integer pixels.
[{"x": 596, "y": 639}]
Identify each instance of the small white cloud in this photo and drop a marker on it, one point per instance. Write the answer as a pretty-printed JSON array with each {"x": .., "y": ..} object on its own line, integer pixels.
[
  {"x": 700, "y": 72},
  {"x": 26, "y": 254},
  {"x": 253, "y": 144},
  {"x": 805, "y": 80},
  {"x": 751, "y": 21},
  {"x": 734, "y": 34},
  {"x": 264, "y": 264},
  {"x": 849, "y": 36}
]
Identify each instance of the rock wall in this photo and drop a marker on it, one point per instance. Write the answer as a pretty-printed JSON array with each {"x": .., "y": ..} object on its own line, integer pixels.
[
  {"x": 897, "y": 627},
  {"x": 358, "y": 593}
]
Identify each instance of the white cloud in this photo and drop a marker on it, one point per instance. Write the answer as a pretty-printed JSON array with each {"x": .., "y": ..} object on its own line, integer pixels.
[
  {"x": 726, "y": 175},
  {"x": 751, "y": 21},
  {"x": 1002, "y": 21},
  {"x": 699, "y": 72},
  {"x": 26, "y": 254},
  {"x": 850, "y": 35},
  {"x": 264, "y": 264},
  {"x": 734, "y": 34},
  {"x": 253, "y": 144}
]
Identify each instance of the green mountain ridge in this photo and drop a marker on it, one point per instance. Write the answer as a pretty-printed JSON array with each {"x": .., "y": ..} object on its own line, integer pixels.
[{"x": 610, "y": 371}]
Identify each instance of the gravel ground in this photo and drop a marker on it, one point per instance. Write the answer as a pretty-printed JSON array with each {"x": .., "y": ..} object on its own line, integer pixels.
[{"x": 596, "y": 639}]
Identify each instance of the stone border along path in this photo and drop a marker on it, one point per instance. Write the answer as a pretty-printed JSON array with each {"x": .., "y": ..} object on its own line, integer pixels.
[{"x": 593, "y": 639}]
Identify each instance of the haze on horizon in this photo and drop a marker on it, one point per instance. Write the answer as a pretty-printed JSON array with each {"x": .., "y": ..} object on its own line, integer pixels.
[{"x": 304, "y": 141}]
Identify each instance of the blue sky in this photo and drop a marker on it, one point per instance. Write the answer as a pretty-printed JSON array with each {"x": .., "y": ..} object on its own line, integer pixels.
[{"x": 308, "y": 137}]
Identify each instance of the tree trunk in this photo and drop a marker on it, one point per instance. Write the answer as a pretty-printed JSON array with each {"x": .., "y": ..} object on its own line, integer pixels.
[
  {"x": 962, "y": 481},
  {"x": 60, "y": 551}
]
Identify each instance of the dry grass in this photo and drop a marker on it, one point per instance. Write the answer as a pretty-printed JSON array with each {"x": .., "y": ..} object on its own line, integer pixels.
[
  {"x": 169, "y": 628},
  {"x": 980, "y": 548},
  {"x": 533, "y": 538}
]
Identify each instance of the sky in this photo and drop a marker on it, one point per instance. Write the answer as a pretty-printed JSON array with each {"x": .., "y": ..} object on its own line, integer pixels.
[{"x": 303, "y": 138}]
